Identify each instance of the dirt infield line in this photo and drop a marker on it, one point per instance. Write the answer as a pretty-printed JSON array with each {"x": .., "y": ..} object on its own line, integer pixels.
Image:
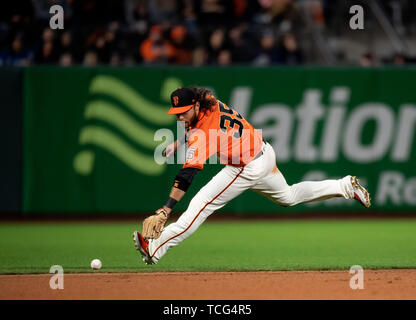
[{"x": 334, "y": 285}]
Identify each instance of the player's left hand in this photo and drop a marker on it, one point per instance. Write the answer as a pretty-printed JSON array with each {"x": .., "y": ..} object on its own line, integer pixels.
[
  {"x": 153, "y": 225},
  {"x": 170, "y": 150}
]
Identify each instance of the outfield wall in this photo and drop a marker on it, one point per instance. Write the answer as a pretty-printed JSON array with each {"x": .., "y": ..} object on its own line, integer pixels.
[
  {"x": 88, "y": 134},
  {"x": 10, "y": 141}
]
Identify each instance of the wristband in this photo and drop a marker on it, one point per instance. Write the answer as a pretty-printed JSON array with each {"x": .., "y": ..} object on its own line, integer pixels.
[{"x": 171, "y": 203}]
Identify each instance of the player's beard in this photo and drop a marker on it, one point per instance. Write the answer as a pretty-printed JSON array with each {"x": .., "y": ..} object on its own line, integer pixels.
[
  {"x": 194, "y": 119},
  {"x": 186, "y": 124}
]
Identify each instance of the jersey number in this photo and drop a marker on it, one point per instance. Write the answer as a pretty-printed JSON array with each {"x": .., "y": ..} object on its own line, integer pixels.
[{"x": 232, "y": 122}]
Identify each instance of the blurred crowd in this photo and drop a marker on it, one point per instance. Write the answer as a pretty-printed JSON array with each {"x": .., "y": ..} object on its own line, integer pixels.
[
  {"x": 128, "y": 32},
  {"x": 179, "y": 32}
]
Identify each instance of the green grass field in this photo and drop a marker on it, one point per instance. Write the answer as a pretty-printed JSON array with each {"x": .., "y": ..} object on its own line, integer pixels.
[{"x": 216, "y": 246}]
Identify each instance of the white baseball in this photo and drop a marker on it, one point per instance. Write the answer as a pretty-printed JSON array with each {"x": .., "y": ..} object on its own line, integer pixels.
[{"x": 96, "y": 264}]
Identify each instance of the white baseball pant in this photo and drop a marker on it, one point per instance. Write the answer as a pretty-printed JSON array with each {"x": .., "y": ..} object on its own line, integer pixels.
[{"x": 259, "y": 175}]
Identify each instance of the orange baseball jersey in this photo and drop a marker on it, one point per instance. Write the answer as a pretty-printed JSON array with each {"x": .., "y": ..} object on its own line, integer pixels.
[{"x": 224, "y": 132}]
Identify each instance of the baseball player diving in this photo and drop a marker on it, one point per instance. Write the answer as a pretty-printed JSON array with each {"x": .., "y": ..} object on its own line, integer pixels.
[{"x": 250, "y": 163}]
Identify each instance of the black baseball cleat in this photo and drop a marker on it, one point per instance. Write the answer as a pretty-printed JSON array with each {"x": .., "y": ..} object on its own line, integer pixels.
[{"x": 142, "y": 245}]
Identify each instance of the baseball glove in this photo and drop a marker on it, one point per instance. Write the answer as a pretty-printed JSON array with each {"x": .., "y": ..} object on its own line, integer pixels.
[{"x": 153, "y": 225}]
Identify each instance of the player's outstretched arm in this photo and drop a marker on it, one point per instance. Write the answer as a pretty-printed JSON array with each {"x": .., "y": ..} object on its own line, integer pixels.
[{"x": 153, "y": 225}]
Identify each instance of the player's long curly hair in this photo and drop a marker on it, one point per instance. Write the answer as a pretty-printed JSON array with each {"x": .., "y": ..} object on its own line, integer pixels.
[{"x": 205, "y": 97}]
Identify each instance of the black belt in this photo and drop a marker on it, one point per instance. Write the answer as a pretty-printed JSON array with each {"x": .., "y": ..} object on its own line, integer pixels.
[{"x": 260, "y": 153}]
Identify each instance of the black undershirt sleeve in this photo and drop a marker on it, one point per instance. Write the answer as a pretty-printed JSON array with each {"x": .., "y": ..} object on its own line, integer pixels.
[{"x": 184, "y": 178}]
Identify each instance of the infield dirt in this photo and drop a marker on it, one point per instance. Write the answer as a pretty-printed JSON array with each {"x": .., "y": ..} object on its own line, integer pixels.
[{"x": 378, "y": 284}]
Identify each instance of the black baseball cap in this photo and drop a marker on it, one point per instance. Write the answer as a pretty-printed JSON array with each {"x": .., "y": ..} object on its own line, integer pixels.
[{"x": 182, "y": 100}]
